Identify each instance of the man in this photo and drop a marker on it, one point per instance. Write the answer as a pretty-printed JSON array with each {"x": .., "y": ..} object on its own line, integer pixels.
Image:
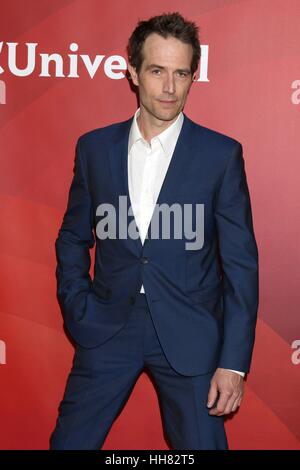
[{"x": 186, "y": 313}]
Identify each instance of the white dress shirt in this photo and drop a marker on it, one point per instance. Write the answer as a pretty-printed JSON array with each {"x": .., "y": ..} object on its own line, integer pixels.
[{"x": 147, "y": 167}]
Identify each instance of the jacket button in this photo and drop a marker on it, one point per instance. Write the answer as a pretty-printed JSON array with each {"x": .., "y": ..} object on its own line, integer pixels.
[
  {"x": 144, "y": 260},
  {"x": 131, "y": 300}
]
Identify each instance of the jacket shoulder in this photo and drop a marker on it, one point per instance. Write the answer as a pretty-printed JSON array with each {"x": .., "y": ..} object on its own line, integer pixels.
[
  {"x": 215, "y": 138},
  {"x": 104, "y": 134}
]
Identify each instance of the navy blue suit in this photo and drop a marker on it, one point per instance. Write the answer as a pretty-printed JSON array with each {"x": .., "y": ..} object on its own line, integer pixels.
[{"x": 202, "y": 303}]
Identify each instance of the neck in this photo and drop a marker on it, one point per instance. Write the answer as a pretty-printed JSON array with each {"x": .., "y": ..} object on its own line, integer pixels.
[{"x": 150, "y": 126}]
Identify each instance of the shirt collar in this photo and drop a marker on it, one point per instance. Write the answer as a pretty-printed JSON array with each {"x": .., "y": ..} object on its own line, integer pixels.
[{"x": 167, "y": 138}]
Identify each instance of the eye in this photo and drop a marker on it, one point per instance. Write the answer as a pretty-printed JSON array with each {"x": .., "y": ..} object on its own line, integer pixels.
[
  {"x": 156, "y": 71},
  {"x": 183, "y": 74}
]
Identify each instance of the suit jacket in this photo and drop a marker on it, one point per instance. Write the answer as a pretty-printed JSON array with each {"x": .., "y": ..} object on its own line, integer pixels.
[{"x": 203, "y": 302}]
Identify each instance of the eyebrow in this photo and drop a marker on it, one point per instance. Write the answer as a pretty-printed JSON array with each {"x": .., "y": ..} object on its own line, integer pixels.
[{"x": 155, "y": 66}]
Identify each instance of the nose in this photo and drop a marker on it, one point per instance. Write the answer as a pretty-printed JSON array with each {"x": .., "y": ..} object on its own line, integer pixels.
[{"x": 169, "y": 84}]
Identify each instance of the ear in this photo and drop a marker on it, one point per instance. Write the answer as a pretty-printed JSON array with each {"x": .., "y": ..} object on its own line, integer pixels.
[{"x": 133, "y": 74}]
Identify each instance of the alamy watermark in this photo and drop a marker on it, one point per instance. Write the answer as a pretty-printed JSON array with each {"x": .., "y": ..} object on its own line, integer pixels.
[
  {"x": 296, "y": 354},
  {"x": 116, "y": 220},
  {"x": 2, "y": 352}
]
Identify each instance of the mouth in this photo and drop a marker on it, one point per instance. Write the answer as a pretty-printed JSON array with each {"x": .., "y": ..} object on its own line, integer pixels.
[{"x": 167, "y": 102}]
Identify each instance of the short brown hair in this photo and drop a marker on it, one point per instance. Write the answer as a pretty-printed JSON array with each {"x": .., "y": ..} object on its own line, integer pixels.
[{"x": 167, "y": 24}]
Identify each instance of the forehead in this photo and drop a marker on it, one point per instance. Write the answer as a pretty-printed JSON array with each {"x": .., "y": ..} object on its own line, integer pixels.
[{"x": 167, "y": 51}]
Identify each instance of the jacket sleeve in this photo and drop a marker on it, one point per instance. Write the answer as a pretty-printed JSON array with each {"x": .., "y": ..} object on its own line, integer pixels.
[
  {"x": 75, "y": 239},
  {"x": 239, "y": 257}
]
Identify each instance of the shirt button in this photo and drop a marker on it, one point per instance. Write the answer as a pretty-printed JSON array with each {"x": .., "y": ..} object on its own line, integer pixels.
[
  {"x": 144, "y": 260},
  {"x": 131, "y": 300}
]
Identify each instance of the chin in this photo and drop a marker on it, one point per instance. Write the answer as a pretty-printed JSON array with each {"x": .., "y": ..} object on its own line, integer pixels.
[{"x": 167, "y": 115}]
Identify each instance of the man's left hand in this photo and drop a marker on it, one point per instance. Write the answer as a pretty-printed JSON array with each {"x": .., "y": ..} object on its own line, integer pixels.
[{"x": 230, "y": 386}]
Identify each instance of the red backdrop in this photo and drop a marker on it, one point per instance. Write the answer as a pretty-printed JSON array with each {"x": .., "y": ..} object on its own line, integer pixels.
[{"x": 249, "y": 88}]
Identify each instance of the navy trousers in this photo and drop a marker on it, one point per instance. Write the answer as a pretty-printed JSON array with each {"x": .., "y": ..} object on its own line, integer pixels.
[{"x": 102, "y": 378}]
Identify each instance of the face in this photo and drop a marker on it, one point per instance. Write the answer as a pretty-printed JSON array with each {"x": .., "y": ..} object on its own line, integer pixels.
[{"x": 164, "y": 79}]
